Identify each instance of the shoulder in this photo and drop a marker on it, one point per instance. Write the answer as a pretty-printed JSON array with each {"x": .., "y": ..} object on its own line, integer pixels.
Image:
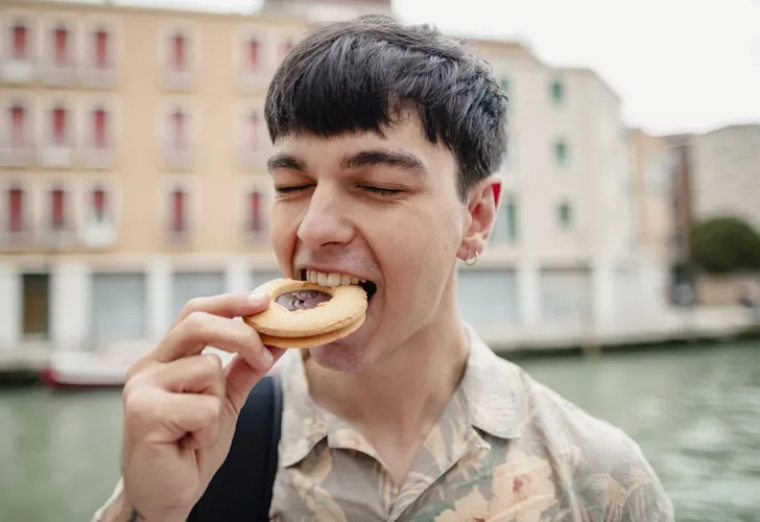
[{"x": 592, "y": 459}]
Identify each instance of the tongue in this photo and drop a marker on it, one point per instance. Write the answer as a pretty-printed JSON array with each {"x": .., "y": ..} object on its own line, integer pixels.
[{"x": 302, "y": 300}]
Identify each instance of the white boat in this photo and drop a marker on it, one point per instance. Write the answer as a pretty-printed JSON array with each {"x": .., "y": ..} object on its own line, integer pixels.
[
  {"x": 74, "y": 369},
  {"x": 93, "y": 369}
]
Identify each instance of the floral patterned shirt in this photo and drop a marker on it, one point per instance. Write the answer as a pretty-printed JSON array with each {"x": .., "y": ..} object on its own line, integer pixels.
[{"x": 505, "y": 449}]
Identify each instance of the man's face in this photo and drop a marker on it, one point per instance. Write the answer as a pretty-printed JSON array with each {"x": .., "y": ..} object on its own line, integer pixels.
[{"x": 382, "y": 209}]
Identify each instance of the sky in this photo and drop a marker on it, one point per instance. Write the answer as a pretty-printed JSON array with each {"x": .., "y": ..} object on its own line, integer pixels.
[{"x": 678, "y": 65}]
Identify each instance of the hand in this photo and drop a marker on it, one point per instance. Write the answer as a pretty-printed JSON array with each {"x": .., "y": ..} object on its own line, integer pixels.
[{"x": 181, "y": 406}]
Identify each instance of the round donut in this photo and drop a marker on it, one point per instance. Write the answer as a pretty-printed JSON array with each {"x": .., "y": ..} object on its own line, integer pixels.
[{"x": 328, "y": 321}]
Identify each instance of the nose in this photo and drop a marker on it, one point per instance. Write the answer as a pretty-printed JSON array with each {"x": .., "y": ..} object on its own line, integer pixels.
[{"x": 326, "y": 221}]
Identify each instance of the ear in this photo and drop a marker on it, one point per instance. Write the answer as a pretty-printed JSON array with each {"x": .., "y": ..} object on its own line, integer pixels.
[{"x": 482, "y": 204}]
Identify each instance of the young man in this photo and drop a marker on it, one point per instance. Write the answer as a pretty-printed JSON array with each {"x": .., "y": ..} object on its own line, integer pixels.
[{"x": 386, "y": 140}]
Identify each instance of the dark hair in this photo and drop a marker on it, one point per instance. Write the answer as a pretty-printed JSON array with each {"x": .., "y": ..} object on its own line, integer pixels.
[{"x": 363, "y": 74}]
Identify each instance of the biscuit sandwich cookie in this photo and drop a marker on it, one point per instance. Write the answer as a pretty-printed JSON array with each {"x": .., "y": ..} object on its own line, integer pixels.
[{"x": 304, "y": 314}]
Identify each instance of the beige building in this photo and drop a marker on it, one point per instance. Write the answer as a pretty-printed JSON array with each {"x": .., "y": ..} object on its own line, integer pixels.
[
  {"x": 715, "y": 174},
  {"x": 566, "y": 233},
  {"x": 132, "y": 176},
  {"x": 726, "y": 173},
  {"x": 652, "y": 186}
]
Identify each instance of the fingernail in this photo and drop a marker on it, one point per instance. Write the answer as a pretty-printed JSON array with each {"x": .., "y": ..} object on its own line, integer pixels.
[
  {"x": 268, "y": 357},
  {"x": 256, "y": 298}
]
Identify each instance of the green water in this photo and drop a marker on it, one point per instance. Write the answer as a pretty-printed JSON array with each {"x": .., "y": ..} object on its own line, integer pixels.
[{"x": 695, "y": 412}]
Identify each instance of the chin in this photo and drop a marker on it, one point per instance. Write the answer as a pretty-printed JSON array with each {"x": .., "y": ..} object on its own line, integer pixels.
[{"x": 351, "y": 354}]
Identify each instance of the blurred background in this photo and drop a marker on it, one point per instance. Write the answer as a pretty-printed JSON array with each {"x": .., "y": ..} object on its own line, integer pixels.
[{"x": 624, "y": 270}]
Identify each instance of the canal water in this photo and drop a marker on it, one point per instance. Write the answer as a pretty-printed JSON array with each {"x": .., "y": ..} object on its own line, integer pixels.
[{"x": 695, "y": 412}]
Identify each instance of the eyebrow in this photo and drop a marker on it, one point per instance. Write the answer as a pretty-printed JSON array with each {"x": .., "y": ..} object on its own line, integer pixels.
[
  {"x": 389, "y": 158},
  {"x": 285, "y": 161},
  {"x": 368, "y": 158}
]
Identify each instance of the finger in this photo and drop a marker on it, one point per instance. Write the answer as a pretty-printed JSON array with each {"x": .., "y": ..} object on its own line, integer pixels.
[
  {"x": 197, "y": 374},
  {"x": 226, "y": 305},
  {"x": 240, "y": 378},
  {"x": 201, "y": 329},
  {"x": 159, "y": 417},
  {"x": 204, "y": 437}
]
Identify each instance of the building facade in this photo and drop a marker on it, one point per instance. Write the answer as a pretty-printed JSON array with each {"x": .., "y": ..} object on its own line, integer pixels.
[
  {"x": 652, "y": 169},
  {"x": 133, "y": 178},
  {"x": 714, "y": 175},
  {"x": 726, "y": 179}
]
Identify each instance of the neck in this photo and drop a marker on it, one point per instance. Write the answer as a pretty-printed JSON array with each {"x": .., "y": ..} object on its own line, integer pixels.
[{"x": 405, "y": 392}]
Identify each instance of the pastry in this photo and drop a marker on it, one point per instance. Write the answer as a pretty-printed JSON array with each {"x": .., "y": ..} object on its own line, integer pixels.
[{"x": 303, "y": 314}]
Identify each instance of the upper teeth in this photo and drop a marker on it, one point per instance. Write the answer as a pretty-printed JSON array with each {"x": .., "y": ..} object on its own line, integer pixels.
[{"x": 331, "y": 278}]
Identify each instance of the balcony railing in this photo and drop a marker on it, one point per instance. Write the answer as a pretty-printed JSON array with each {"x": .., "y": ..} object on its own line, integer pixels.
[
  {"x": 16, "y": 153},
  {"x": 57, "y": 155},
  {"x": 60, "y": 74},
  {"x": 17, "y": 71}
]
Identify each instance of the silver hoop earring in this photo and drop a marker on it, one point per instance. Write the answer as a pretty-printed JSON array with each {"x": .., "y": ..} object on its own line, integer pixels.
[{"x": 471, "y": 261}]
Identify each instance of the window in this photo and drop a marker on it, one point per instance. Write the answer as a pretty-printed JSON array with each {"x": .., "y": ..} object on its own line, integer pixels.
[
  {"x": 18, "y": 119},
  {"x": 560, "y": 152},
  {"x": 511, "y": 211},
  {"x": 254, "y": 55},
  {"x": 15, "y": 209},
  {"x": 57, "y": 209},
  {"x": 255, "y": 131},
  {"x": 565, "y": 215},
  {"x": 506, "y": 227},
  {"x": 60, "y": 46},
  {"x": 256, "y": 222},
  {"x": 20, "y": 43},
  {"x": 557, "y": 93},
  {"x": 99, "y": 128},
  {"x": 59, "y": 124},
  {"x": 178, "y": 53},
  {"x": 101, "y": 45},
  {"x": 178, "y": 216},
  {"x": 504, "y": 82},
  {"x": 98, "y": 203},
  {"x": 178, "y": 125}
]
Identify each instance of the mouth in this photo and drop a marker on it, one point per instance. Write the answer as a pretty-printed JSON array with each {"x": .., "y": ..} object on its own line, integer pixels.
[{"x": 337, "y": 279}]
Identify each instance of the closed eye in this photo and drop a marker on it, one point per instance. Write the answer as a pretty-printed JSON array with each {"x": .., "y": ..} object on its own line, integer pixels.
[
  {"x": 292, "y": 189},
  {"x": 382, "y": 191}
]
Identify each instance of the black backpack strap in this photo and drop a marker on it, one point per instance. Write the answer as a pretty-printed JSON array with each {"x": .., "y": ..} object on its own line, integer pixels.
[{"x": 241, "y": 489}]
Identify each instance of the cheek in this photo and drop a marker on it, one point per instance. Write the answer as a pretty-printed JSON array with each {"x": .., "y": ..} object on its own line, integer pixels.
[
  {"x": 283, "y": 229},
  {"x": 419, "y": 246},
  {"x": 279, "y": 221}
]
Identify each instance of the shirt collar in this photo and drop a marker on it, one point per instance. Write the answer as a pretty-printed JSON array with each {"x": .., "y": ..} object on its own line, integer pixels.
[{"x": 491, "y": 392}]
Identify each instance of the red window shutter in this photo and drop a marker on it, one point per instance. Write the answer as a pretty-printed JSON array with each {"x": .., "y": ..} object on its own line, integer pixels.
[
  {"x": 17, "y": 125},
  {"x": 59, "y": 126},
  {"x": 58, "y": 209},
  {"x": 179, "y": 50},
  {"x": 101, "y": 49},
  {"x": 255, "y": 221},
  {"x": 61, "y": 46},
  {"x": 20, "y": 42},
  {"x": 253, "y": 54},
  {"x": 99, "y": 204},
  {"x": 178, "y": 211},
  {"x": 99, "y": 121},
  {"x": 16, "y": 210}
]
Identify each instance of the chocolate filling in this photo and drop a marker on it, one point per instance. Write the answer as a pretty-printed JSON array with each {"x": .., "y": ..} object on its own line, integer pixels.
[{"x": 302, "y": 299}]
